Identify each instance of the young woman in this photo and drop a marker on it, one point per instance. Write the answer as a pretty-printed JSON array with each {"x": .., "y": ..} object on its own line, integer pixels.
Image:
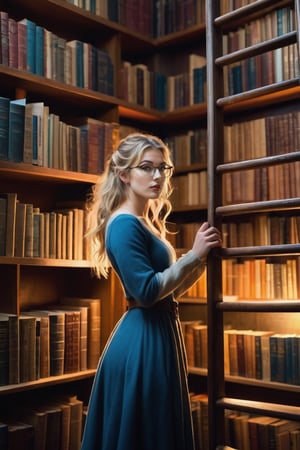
[{"x": 140, "y": 398}]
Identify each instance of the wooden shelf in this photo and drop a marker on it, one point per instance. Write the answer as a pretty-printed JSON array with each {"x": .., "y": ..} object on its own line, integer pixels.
[
  {"x": 44, "y": 262},
  {"x": 25, "y": 172},
  {"x": 44, "y": 382}
]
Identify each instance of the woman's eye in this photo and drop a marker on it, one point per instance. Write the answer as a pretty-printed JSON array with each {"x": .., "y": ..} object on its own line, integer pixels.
[{"x": 147, "y": 168}]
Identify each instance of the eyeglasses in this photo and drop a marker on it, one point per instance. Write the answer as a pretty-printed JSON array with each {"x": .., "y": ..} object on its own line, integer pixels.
[{"x": 164, "y": 170}]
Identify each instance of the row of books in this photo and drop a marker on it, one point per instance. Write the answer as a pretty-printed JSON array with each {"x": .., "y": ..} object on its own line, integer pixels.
[
  {"x": 25, "y": 231},
  {"x": 271, "y": 67},
  {"x": 266, "y": 183},
  {"x": 247, "y": 431},
  {"x": 133, "y": 15},
  {"x": 177, "y": 15},
  {"x": 188, "y": 148},
  {"x": 30, "y": 133},
  {"x": 59, "y": 339},
  {"x": 154, "y": 18},
  {"x": 156, "y": 90},
  {"x": 263, "y": 229},
  {"x": 195, "y": 339},
  {"x": 190, "y": 190},
  {"x": 271, "y": 25},
  {"x": 262, "y": 355},
  {"x": 266, "y": 136},
  {"x": 26, "y": 45},
  {"x": 262, "y": 279},
  {"x": 55, "y": 423},
  {"x": 255, "y": 279}
]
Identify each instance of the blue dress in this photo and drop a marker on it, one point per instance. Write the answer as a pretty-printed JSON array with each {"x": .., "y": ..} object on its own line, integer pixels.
[{"x": 140, "y": 398}]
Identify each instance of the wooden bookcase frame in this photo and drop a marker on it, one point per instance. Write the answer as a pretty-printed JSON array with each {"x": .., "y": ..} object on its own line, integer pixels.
[{"x": 244, "y": 398}]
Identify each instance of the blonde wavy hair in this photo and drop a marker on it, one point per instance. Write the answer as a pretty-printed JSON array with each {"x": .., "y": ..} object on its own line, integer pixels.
[{"x": 110, "y": 192}]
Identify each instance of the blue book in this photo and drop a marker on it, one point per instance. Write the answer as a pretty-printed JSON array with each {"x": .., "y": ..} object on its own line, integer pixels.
[
  {"x": 39, "y": 50},
  {"x": 4, "y": 127},
  {"x": 30, "y": 45},
  {"x": 279, "y": 14},
  {"x": 160, "y": 90},
  {"x": 16, "y": 130},
  {"x": 113, "y": 10},
  {"x": 93, "y": 6},
  {"x": 199, "y": 84},
  {"x": 79, "y": 64}
]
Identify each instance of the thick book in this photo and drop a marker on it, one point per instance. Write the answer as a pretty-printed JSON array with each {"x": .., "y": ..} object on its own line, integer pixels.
[
  {"x": 81, "y": 315},
  {"x": 11, "y": 204},
  {"x": 76, "y": 410},
  {"x": 38, "y": 420},
  {"x": 65, "y": 415},
  {"x": 31, "y": 45},
  {"x": 94, "y": 326},
  {"x": 12, "y": 43},
  {"x": 56, "y": 333},
  {"x": 27, "y": 330},
  {"x": 43, "y": 327},
  {"x": 57, "y": 342},
  {"x": 21, "y": 48},
  {"x": 53, "y": 434},
  {"x": 20, "y": 436}
]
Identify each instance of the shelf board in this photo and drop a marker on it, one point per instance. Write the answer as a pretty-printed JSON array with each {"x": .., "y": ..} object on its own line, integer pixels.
[
  {"x": 185, "y": 36},
  {"x": 44, "y": 262},
  {"x": 44, "y": 382},
  {"x": 186, "y": 208},
  {"x": 25, "y": 172}
]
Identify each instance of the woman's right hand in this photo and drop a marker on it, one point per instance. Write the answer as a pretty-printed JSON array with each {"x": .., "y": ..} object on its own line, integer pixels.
[{"x": 206, "y": 238}]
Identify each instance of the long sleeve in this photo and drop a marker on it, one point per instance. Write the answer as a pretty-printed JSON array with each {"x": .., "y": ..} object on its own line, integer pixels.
[
  {"x": 181, "y": 275},
  {"x": 143, "y": 262}
]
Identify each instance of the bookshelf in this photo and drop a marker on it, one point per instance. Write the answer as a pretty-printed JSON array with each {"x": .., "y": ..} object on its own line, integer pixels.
[
  {"x": 234, "y": 108},
  {"x": 75, "y": 100}
]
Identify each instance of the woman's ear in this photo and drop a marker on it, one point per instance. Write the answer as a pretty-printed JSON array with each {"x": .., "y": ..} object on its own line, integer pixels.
[{"x": 124, "y": 176}]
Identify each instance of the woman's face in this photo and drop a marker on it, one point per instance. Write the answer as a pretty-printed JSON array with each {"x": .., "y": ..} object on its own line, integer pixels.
[{"x": 146, "y": 179}]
